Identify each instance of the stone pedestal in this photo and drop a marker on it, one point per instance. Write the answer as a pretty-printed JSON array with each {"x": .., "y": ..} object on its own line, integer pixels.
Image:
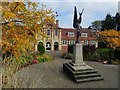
[{"x": 78, "y": 70}]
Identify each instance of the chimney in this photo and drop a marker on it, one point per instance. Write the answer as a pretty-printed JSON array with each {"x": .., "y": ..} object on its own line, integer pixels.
[{"x": 57, "y": 22}]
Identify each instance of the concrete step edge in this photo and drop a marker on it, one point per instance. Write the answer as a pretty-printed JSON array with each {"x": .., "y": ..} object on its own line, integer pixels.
[
  {"x": 87, "y": 75},
  {"x": 89, "y": 79}
]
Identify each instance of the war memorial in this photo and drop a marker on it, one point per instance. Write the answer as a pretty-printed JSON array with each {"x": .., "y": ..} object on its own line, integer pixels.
[{"x": 77, "y": 69}]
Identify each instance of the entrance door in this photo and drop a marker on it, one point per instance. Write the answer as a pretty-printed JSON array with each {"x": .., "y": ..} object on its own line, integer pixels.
[
  {"x": 56, "y": 46},
  {"x": 48, "y": 46}
]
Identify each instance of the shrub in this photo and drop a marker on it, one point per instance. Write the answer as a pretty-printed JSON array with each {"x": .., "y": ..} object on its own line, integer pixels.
[
  {"x": 9, "y": 69},
  {"x": 117, "y": 53},
  {"x": 48, "y": 56},
  {"x": 102, "y": 44},
  {"x": 105, "y": 53},
  {"x": 41, "y": 49},
  {"x": 43, "y": 59},
  {"x": 88, "y": 49},
  {"x": 22, "y": 60},
  {"x": 70, "y": 48},
  {"x": 25, "y": 58},
  {"x": 94, "y": 57}
]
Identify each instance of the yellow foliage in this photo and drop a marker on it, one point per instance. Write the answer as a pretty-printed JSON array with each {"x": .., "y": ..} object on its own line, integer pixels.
[
  {"x": 112, "y": 37},
  {"x": 17, "y": 37}
]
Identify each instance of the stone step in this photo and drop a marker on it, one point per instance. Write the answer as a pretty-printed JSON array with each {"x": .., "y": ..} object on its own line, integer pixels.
[
  {"x": 81, "y": 71},
  {"x": 86, "y": 75},
  {"x": 81, "y": 76},
  {"x": 85, "y": 72},
  {"x": 89, "y": 79},
  {"x": 69, "y": 65},
  {"x": 67, "y": 69}
]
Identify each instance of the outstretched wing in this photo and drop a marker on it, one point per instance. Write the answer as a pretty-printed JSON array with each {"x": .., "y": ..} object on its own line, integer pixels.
[
  {"x": 75, "y": 18},
  {"x": 82, "y": 11},
  {"x": 80, "y": 16}
]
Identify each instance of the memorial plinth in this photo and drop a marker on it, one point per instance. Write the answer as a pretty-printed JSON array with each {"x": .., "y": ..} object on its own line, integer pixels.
[{"x": 78, "y": 70}]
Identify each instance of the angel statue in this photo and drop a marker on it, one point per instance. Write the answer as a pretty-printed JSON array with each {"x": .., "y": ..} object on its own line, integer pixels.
[{"x": 77, "y": 22}]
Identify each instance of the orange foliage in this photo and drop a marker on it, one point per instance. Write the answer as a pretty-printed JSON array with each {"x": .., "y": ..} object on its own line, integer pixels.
[
  {"x": 111, "y": 37},
  {"x": 20, "y": 25}
]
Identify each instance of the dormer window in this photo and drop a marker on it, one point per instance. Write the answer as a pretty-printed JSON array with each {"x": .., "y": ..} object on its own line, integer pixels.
[{"x": 83, "y": 34}]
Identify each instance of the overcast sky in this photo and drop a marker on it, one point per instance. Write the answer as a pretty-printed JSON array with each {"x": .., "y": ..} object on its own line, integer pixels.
[{"x": 93, "y": 10}]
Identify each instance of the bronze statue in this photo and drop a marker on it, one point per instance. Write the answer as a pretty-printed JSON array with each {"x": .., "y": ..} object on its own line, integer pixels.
[{"x": 76, "y": 23}]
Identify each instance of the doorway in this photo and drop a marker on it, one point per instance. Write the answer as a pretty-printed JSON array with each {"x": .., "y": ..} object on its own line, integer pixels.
[
  {"x": 56, "y": 46},
  {"x": 48, "y": 46}
]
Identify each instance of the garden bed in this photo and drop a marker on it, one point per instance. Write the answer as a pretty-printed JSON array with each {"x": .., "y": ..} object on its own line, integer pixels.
[{"x": 12, "y": 65}]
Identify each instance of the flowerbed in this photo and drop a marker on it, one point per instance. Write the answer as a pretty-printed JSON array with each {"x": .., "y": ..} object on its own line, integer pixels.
[{"x": 12, "y": 65}]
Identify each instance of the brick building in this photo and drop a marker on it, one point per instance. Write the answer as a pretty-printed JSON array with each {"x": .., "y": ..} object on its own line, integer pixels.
[
  {"x": 87, "y": 37},
  {"x": 53, "y": 39},
  {"x": 59, "y": 38}
]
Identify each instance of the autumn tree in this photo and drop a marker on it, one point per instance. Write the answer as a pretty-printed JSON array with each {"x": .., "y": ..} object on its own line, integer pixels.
[
  {"x": 110, "y": 37},
  {"x": 21, "y": 23}
]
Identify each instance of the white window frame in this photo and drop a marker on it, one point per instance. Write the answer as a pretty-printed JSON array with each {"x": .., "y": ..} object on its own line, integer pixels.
[
  {"x": 72, "y": 41},
  {"x": 84, "y": 35},
  {"x": 64, "y": 42},
  {"x": 92, "y": 42},
  {"x": 71, "y": 34},
  {"x": 85, "y": 42}
]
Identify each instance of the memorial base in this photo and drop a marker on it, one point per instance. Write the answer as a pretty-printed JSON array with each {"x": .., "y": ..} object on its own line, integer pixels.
[
  {"x": 78, "y": 70},
  {"x": 81, "y": 73}
]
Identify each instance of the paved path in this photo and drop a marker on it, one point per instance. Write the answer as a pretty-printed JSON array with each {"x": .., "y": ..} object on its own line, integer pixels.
[{"x": 50, "y": 75}]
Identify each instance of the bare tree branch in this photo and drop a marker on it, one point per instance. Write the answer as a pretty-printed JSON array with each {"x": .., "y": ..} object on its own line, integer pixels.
[
  {"x": 9, "y": 22},
  {"x": 15, "y": 7}
]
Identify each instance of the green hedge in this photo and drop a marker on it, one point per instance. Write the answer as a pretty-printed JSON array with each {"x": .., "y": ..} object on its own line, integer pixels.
[
  {"x": 92, "y": 56},
  {"x": 117, "y": 53},
  {"x": 105, "y": 53}
]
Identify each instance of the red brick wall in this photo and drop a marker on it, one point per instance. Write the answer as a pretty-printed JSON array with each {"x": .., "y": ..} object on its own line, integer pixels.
[{"x": 64, "y": 48}]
